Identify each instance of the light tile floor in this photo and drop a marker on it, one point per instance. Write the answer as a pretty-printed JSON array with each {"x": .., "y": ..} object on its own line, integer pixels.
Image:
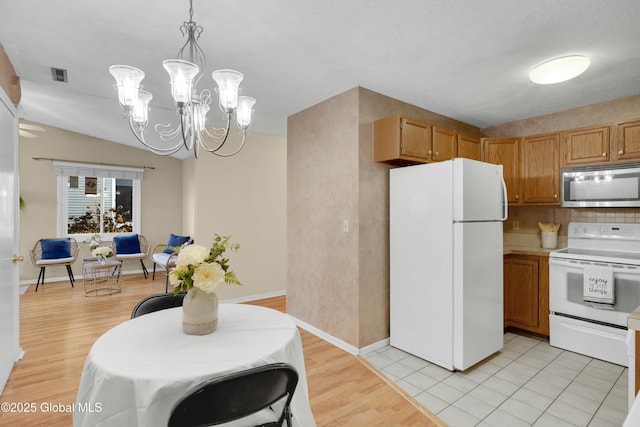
[{"x": 528, "y": 383}]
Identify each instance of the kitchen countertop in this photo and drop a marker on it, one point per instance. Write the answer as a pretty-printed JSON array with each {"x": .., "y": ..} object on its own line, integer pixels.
[
  {"x": 633, "y": 321},
  {"x": 528, "y": 244}
]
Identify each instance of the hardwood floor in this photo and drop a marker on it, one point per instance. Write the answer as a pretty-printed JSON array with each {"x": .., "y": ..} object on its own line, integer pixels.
[{"x": 58, "y": 326}]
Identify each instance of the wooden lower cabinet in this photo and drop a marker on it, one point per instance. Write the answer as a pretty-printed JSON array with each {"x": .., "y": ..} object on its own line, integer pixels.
[{"x": 526, "y": 293}]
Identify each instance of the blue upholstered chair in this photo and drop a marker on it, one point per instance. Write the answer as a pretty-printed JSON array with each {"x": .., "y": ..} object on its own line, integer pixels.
[
  {"x": 165, "y": 255},
  {"x": 54, "y": 253},
  {"x": 131, "y": 247}
]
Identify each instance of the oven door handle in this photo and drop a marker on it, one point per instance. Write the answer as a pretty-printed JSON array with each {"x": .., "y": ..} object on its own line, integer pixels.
[{"x": 601, "y": 306}]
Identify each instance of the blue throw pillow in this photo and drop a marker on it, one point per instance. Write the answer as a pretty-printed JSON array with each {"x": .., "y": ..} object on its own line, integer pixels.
[
  {"x": 55, "y": 249},
  {"x": 175, "y": 242},
  {"x": 129, "y": 244}
]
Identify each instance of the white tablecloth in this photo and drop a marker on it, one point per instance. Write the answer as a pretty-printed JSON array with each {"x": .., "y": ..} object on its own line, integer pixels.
[{"x": 137, "y": 371}]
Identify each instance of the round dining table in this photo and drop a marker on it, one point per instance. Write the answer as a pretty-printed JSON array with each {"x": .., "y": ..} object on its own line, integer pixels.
[{"x": 136, "y": 372}]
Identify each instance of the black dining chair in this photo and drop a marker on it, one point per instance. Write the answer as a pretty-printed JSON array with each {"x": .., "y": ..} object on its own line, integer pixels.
[
  {"x": 157, "y": 302},
  {"x": 262, "y": 395}
]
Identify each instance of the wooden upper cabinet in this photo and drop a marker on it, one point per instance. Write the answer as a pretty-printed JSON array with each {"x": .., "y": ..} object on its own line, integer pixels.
[
  {"x": 469, "y": 147},
  {"x": 444, "y": 144},
  {"x": 627, "y": 142},
  {"x": 586, "y": 145},
  {"x": 540, "y": 177},
  {"x": 505, "y": 152},
  {"x": 396, "y": 138}
]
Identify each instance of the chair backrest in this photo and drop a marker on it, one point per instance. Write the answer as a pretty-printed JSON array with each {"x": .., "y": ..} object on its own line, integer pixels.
[
  {"x": 157, "y": 302},
  {"x": 142, "y": 241},
  {"x": 236, "y": 396},
  {"x": 36, "y": 252}
]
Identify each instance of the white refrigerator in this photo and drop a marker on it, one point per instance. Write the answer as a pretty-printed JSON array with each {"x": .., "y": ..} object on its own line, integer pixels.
[{"x": 446, "y": 285}]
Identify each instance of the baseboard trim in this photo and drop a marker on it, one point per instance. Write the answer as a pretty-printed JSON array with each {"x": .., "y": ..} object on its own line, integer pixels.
[
  {"x": 373, "y": 347},
  {"x": 256, "y": 297},
  {"x": 24, "y": 284},
  {"x": 325, "y": 336}
]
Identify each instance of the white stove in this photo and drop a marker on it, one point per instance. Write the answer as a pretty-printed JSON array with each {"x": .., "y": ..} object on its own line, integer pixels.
[{"x": 587, "y": 318}]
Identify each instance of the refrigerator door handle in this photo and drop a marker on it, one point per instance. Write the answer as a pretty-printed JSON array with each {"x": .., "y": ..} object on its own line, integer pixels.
[{"x": 505, "y": 201}]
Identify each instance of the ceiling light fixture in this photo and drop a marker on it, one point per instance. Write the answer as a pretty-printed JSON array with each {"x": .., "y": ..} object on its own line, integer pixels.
[
  {"x": 559, "y": 69},
  {"x": 192, "y": 106}
]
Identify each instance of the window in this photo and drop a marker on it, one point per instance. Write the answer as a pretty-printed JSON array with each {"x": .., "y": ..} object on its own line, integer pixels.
[{"x": 97, "y": 199}]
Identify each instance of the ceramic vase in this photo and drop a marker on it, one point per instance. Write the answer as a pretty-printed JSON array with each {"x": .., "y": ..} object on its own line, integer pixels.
[{"x": 199, "y": 312}]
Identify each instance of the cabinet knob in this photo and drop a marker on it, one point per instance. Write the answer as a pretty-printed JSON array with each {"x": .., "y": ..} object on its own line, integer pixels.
[
  {"x": 517, "y": 196},
  {"x": 429, "y": 152},
  {"x": 555, "y": 196},
  {"x": 436, "y": 153},
  {"x": 620, "y": 152},
  {"x": 604, "y": 154}
]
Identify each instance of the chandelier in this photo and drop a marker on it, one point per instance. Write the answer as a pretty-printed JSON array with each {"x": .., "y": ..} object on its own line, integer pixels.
[{"x": 192, "y": 106}]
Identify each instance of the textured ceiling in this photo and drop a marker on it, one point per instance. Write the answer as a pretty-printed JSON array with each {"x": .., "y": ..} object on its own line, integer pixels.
[{"x": 466, "y": 59}]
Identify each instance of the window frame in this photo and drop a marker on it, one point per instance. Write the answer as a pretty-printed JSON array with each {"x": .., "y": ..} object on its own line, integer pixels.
[{"x": 66, "y": 169}]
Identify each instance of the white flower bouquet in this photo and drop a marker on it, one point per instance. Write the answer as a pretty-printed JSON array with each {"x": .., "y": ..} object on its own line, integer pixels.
[
  {"x": 203, "y": 267},
  {"x": 102, "y": 251}
]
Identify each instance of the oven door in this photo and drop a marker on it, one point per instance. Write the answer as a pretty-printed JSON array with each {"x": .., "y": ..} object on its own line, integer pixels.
[{"x": 566, "y": 292}]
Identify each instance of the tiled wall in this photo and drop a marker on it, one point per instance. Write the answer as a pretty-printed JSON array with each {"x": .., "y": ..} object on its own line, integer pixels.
[{"x": 524, "y": 219}]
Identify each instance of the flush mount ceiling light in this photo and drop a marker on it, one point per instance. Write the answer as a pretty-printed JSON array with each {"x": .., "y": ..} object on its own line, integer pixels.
[
  {"x": 559, "y": 69},
  {"x": 192, "y": 106}
]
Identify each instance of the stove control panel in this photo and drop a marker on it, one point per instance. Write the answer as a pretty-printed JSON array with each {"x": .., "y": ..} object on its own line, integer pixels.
[{"x": 603, "y": 230}]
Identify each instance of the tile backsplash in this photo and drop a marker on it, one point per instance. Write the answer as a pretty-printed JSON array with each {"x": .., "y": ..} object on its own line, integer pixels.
[{"x": 524, "y": 219}]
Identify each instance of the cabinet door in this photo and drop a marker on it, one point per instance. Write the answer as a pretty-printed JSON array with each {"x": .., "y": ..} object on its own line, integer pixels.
[
  {"x": 444, "y": 143},
  {"x": 469, "y": 147},
  {"x": 586, "y": 145},
  {"x": 505, "y": 152},
  {"x": 523, "y": 298},
  {"x": 627, "y": 141},
  {"x": 540, "y": 179},
  {"x": 415, "y": 140}
]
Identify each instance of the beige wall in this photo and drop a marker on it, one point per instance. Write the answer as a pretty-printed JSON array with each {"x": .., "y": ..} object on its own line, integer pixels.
[
  {"x": 243, "y": 195},
  {"x": 617, "y": 110},
  {"x": 38, "y": 219},
  {"x": 322, "y": 192},
  {"x": 339, "y": 282}
]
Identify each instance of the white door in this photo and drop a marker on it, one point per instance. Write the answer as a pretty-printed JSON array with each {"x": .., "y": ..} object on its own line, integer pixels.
[{"x": 9, "y": 238}]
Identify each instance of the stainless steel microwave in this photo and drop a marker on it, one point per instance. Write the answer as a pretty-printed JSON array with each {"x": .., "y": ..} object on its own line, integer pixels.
[{"x": 616, "y": 185}]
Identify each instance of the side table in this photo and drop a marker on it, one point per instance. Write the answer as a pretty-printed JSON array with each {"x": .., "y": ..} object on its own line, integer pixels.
[{"x": 99, "y": 277}]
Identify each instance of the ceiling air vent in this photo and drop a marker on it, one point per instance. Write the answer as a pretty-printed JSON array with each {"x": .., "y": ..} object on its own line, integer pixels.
[{"x": 59, "y": 75}]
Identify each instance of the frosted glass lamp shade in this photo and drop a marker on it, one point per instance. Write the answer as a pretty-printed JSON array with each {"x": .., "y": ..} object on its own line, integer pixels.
[
  {"x": 140, "y": 114},
  {"x": 182, "y": 74},
  {"x": 200, "y": 117},
  {"x": 559, "y": 69},
  {"x": 244, "y": 111},
  {"x": 228, "y": 82},
  {"x": 128, "y": 83}
]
